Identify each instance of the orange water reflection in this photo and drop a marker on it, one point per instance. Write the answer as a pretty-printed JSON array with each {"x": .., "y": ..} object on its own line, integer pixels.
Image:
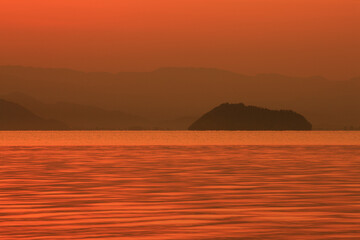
[
  {"x": 131, "y": 138},
  {"x": 180, "y": 192}
]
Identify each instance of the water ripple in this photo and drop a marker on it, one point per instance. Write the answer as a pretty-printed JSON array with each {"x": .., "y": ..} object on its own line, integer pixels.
[{"x": 180, "y": 192}]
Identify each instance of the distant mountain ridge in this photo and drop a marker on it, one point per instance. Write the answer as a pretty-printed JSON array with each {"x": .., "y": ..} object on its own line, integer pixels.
[
  {"x": 175, "y": 93},
  {"x": 16, "y": 117},
  {"x": 240, "y": 117},
  {"x": 81, "y": 117}
]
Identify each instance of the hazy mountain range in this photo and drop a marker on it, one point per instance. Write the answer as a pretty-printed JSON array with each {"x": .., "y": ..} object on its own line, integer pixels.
[
  {"x": 173, "y": 97},
  {"x": 15, "y": 117},
  {"x": 78, "y": 116}
]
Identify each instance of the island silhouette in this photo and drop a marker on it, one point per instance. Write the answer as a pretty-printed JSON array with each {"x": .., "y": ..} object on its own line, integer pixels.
[{"x": 241, "y": 117}]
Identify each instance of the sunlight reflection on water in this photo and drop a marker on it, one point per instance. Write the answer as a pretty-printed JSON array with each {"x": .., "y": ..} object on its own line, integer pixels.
[
  {"x": 95, "y": 138},
  {"x": 179, "y": 192}
]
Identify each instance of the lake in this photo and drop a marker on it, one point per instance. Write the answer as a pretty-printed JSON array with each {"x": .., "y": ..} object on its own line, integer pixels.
[{"x": 179, "y": 185}]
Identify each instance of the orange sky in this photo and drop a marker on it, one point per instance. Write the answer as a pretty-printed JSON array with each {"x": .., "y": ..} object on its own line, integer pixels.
[{"x": 294, "y": 37}]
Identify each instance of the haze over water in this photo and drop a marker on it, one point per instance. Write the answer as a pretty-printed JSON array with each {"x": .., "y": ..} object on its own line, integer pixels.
[{"x": 179, "y": 185}]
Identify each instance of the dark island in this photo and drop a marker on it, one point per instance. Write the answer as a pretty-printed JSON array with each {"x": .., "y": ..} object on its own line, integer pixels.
[
  {"x": 240, "y": 117},
  {"x": 15, "y": 117}
]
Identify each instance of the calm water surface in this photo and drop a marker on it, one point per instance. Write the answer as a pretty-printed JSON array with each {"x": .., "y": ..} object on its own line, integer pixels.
[{"x": 179, "y": 185}]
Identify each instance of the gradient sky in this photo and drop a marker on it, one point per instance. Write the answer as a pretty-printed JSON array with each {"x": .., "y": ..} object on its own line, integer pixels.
[{"x": 293, "y": 37}]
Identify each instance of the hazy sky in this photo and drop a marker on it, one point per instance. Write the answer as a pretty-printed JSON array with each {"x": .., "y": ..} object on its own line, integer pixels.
[{"x": 294, "y": 37}]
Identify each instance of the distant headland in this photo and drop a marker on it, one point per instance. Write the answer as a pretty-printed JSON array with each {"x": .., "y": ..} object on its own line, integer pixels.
[
  {"x": 240, "y": 117},
  {"x": 16, "y": 117}
]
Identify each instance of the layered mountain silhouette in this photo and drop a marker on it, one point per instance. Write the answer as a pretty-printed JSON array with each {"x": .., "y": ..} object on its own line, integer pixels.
[
  {"x": 240, "y": 117},
  {"x": 15, "y": 117},
  {"x": 185, "y": 93},
  {"x": 81, "y": 117}
]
